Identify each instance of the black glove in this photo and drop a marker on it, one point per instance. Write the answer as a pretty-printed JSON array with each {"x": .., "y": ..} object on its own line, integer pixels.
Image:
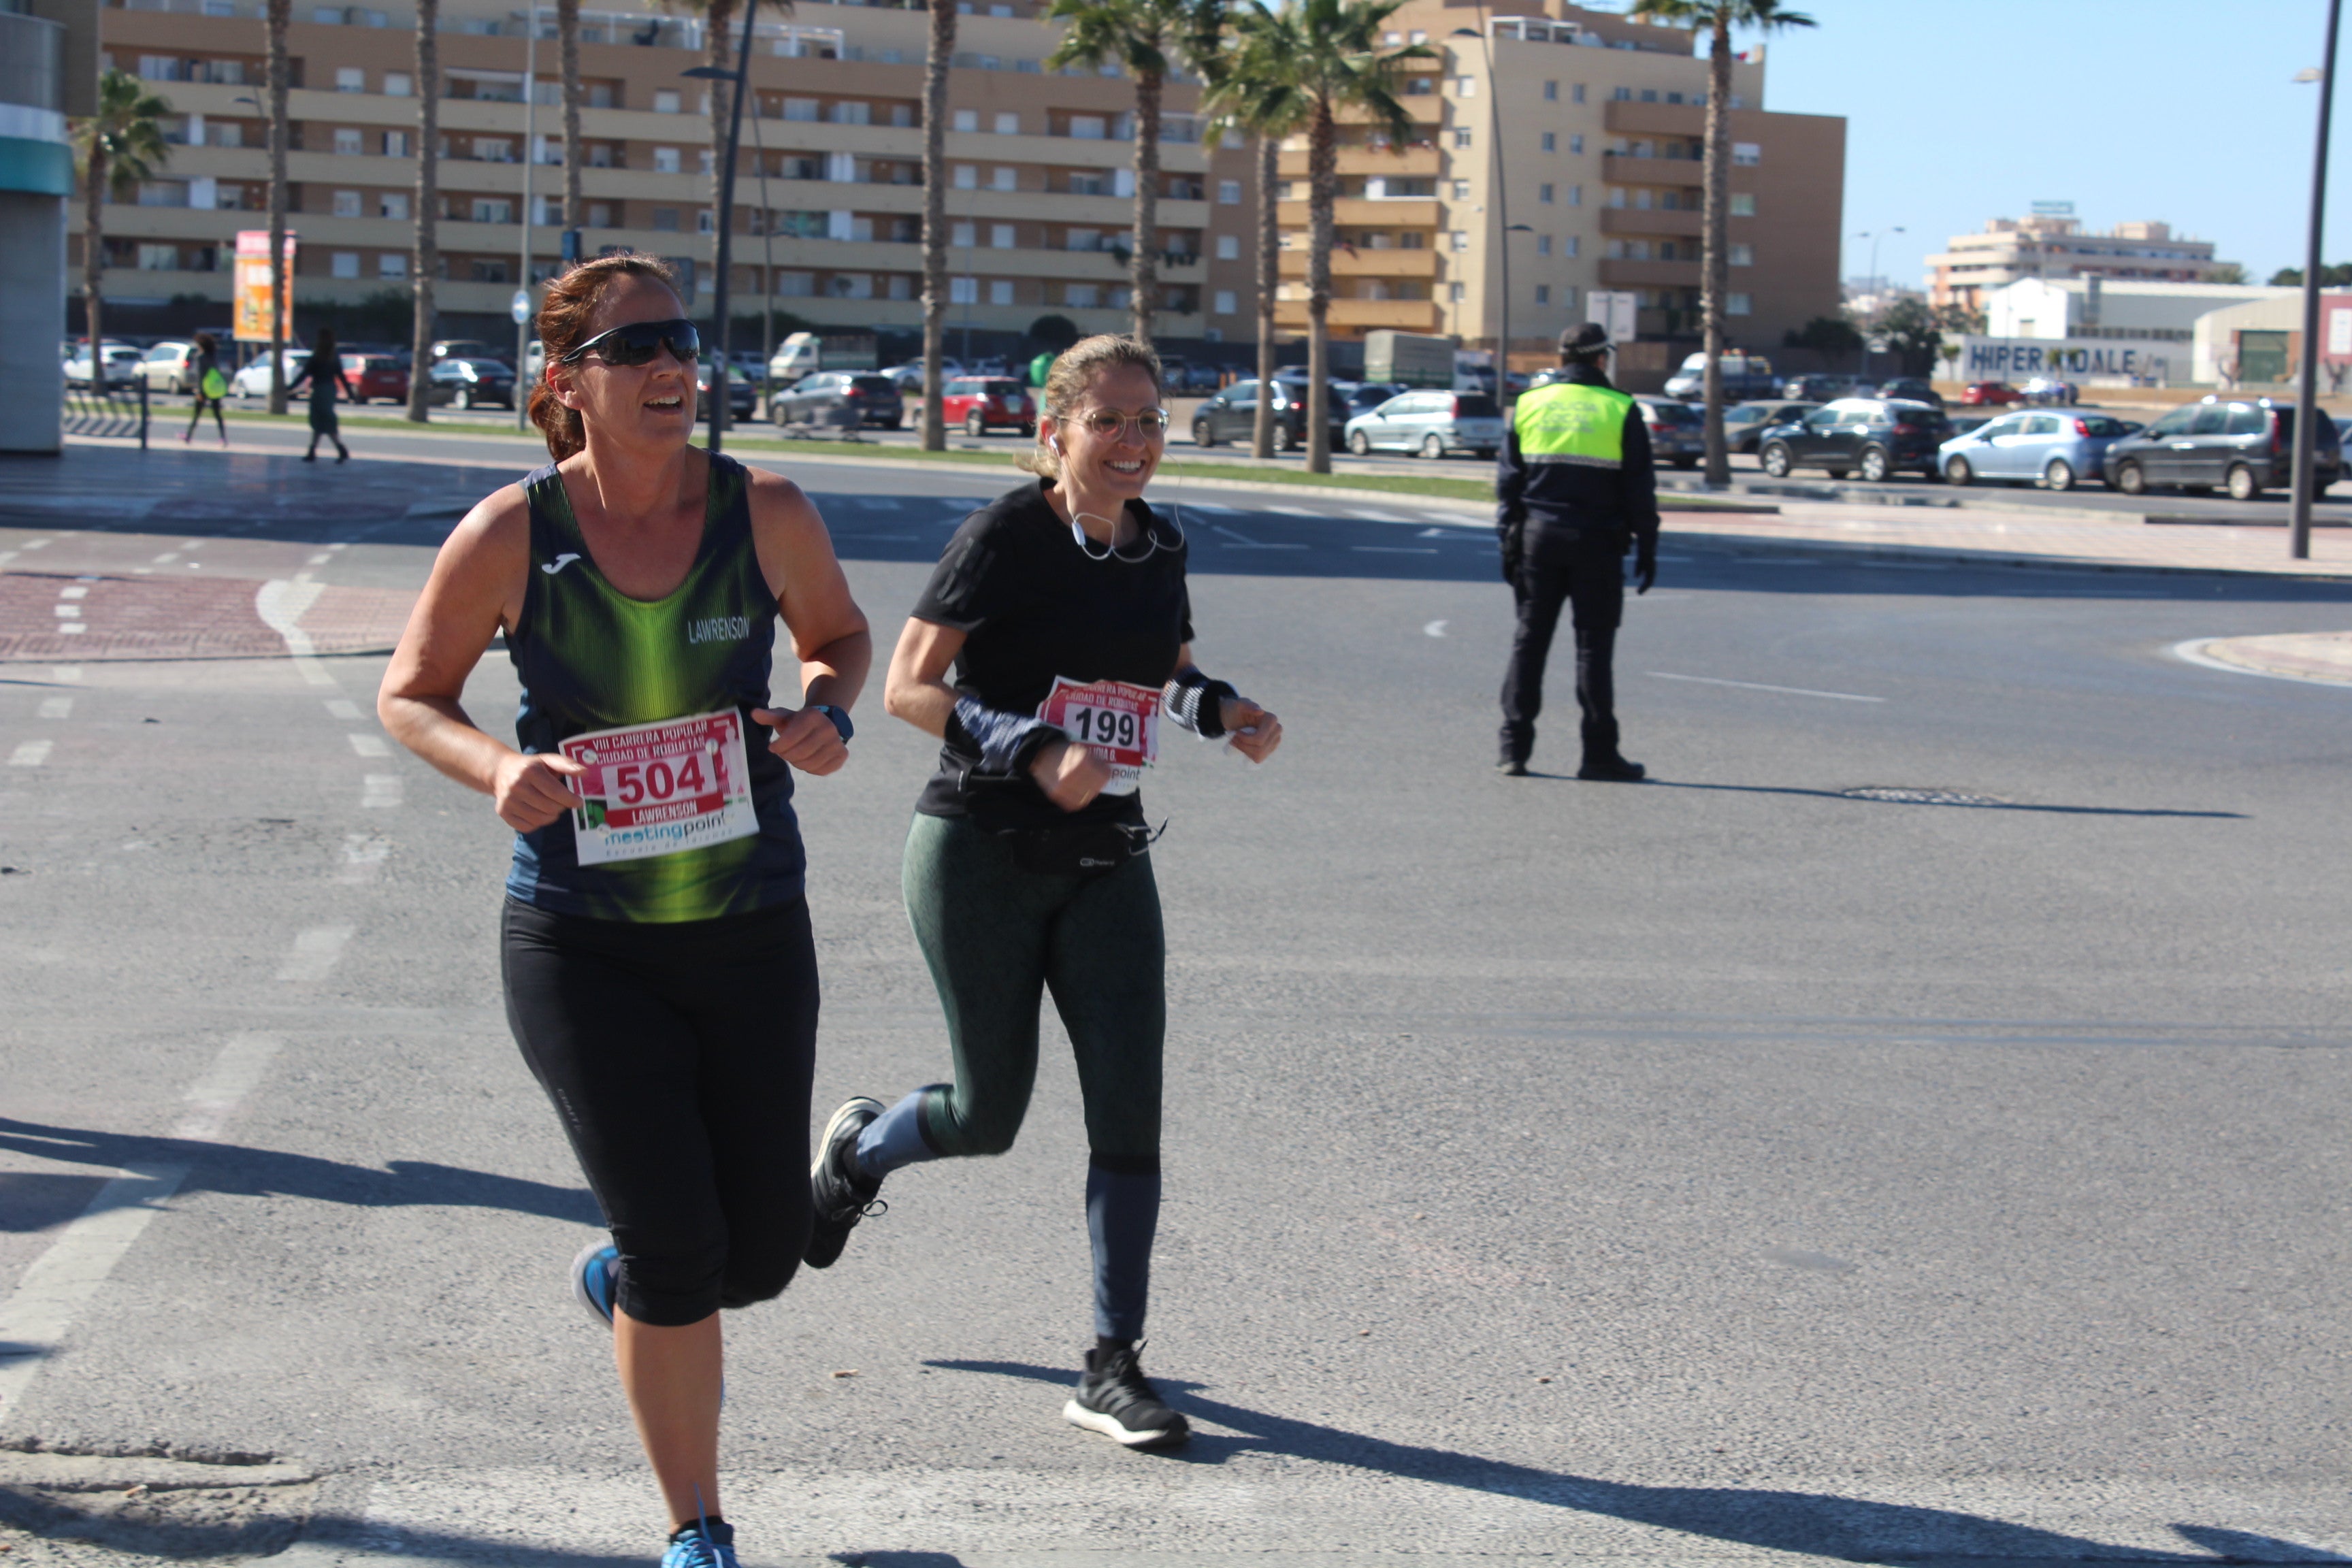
[
  {"x": 1514, "y": 552},
  {"x": 1645, "y": 566}
]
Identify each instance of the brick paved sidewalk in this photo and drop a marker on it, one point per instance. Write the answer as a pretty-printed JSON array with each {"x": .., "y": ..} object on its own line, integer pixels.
[{"x": 77, "y": 619}]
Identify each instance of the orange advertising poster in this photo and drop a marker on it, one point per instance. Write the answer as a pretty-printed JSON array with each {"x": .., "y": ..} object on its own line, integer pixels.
[{"x": 253, "y": 287}]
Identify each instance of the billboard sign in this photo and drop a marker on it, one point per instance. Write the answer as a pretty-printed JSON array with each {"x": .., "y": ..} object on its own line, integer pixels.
[
  {"x": 2018, "y": 359},
  {"x": 1614, "y": 310},
  {"x": 252, "y": 283}
]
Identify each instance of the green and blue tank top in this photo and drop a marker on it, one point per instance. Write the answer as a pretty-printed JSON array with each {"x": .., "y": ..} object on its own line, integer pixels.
[{"x": 592, "y": 658}]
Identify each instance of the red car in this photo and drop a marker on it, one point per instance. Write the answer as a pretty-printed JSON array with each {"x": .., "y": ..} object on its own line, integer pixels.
[
  {"x": 1990, "y": 394},
  {"x": 377, "y": 376},
  {"x": 983, "y": 402}
]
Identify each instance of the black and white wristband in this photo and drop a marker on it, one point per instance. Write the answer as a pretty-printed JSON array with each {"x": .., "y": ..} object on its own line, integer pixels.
[
  {"x": 1007, "y": 743},
  {"x": 1196, "y": 703}
]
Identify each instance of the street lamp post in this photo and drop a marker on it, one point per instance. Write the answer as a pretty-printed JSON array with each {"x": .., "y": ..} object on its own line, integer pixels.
[
  {"x": 2306, "y": 397},
  {"x": 522, "y": 268},
  {"x": 1877, "y": 291},
  {"x": 725, "y": 219}
]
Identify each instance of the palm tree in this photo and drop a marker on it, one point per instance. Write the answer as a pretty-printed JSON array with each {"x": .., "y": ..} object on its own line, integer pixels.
[
  {"x": 567, "y": 46},
  {"x": 1143, "y": 36},
  {"x": 1717, "y": 18},
  {"x": 1251, "y": 92},
  {"x": 935, "y": 60},
  {"x": 1339, "y": 66},
  {"x": 120, "y": 145},
  {"x": 425, "y": 265},
  {"x": 279, "y": 16}
]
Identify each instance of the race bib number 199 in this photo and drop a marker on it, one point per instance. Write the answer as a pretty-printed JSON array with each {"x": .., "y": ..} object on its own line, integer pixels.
[
  {"x": 656, "y": 789},
  {"x": 1116, "y": 720}
]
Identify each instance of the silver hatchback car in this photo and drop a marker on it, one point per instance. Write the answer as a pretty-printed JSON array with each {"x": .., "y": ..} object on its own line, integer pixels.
[
  {"x": 2054, "y": 450},
  {"x": 1430, "y": 422}
]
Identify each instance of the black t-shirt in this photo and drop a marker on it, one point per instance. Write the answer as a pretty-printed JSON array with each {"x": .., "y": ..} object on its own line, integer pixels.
[{"x": 1032, "y": 604}]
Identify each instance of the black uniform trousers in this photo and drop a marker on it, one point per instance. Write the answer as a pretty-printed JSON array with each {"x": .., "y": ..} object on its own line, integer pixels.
[{"x": 1587, "y": 573}]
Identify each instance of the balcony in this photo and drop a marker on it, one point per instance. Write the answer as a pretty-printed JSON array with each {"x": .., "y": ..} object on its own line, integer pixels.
[
  {"x": 1650, "y": 273},
  {"x": 1674, "y": 225},
  {"x": 1426, "y": 161},
  {"x": 1363, "y": 315},
  {"x": 1363, "y": 211},
  {"x": 1364, "y": 263},
  {"x": 1621, "y": 170},
  {"x": 1628, "y": 119}
]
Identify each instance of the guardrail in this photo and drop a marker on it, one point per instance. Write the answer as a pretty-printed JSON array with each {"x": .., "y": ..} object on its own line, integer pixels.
[{"x": 94, "y": 413}]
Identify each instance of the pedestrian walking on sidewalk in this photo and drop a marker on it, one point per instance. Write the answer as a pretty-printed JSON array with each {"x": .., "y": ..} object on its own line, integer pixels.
[
  {"x": 1063, "y": 608},
  {"x": 322, "y": 394},
  {"x": 660, "y": 974},
  {"x": 211, "y": 388},
  {"x": 1574, "y": 491}
]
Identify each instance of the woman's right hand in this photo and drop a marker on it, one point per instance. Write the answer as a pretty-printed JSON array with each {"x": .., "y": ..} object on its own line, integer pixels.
[
  {"x": 531, "y": 790},
  {"x": 1070, "y": 774}
]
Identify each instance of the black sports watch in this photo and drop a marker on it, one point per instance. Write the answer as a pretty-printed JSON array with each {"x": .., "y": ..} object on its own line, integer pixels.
[{"x": 840, "y": 718}]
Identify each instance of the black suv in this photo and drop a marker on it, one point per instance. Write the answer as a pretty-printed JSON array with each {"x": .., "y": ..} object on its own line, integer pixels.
[
  {"x": 1873, "y": 436},
  {"x": 851, "y": 398},
  {"x": 2246, "y": 446},
  {"x": 1911, "y": 389},
  {"x": 1232, "y": 416}
]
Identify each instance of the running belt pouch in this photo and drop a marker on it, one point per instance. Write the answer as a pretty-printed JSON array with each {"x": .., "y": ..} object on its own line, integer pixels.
[
  {"x": 1074, "y": 848},
  {"x": 215, "y": 384}
]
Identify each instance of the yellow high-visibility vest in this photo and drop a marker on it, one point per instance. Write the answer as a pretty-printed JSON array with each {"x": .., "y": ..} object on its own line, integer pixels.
[{"x": 1567, "y": 422}]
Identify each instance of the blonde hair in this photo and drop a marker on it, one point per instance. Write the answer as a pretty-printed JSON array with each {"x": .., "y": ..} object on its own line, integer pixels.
[
  {"x": 1067, "y": 383},
  {"x": 564, "y": 314}
]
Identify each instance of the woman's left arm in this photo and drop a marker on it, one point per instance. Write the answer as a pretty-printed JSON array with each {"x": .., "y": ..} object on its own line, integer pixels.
[
  {"x": 829, "y": 631},
  {"x": 1254, "y": 731}
]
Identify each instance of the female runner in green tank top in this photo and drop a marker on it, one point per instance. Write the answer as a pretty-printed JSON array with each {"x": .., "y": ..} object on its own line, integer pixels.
[{"x": 660, "y": 976}]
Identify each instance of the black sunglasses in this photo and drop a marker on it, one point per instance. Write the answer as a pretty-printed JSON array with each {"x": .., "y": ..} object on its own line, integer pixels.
[{"x": 638, "y": 343}]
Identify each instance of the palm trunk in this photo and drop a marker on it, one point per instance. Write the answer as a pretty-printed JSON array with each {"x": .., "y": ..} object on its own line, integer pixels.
[
  {"x": 567, "y": 45},
  {"x": 1143, "y": 261},
  {"x": 280, "y": 16},
  {"x": 720, "y": 16},
  {"x": 426, "y": 263},
  {"x": 1716, "y": 274},
  {"x": 1322, "y": 191},
  {"x": 93, "y": 261},
  {"x": 935, "y": 60},
  {"x": 1269, "y": 281}
]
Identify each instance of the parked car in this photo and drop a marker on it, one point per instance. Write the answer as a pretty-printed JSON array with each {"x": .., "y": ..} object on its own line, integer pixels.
[
  {"x": 2245, "y": 445},
  {"x": 1434, "y": 424},
  {"x": 1677, "y": 430},
  {"x": 1231, "y": 415},
  {"x": 1874, "y": 436},
  {"x": 2050, "y": 389},
  {"x": 1199, "y": 377},
  {"x": 1745, "y": 376},
  {"x": 120, "y": 364},
  {"x": 743, "y": 393},
  {"x": 170, "y": 366},
  {"x": 467, "y": 348},
  {"x": 1910, "y": 389},
  {"x": 2053, "y": 450},
  {"x": 1744, "y": 422},
  {"x": 982, "y": 404},
  {"x": 1989, "y": 394},
  {"x": 1820, "y": 386},
  {"x": 470, "y": 382},
  {"x": 252, "y": 379},
  {"x": 1367, "y": 396},
  {"x": 908, "y": 377},
  {"x": 822, "y": 397},
  {"x": 377, "y": 376}
]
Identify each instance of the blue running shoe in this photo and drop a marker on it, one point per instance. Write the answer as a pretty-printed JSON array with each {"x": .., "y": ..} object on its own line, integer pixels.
[
  {"x": 705, "y": 1543},
  {"x": 596, "y": 1279}
]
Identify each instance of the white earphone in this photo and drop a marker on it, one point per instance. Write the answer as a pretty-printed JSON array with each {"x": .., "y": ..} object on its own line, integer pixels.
[{"x": 1054, "y": 442}]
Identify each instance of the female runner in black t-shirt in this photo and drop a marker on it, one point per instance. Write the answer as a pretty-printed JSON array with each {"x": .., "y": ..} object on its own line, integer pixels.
[{"x": 1062, "y": 607}]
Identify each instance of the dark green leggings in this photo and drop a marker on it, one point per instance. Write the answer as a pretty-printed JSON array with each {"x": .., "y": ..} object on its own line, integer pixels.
[{"x": 996, "y": 937}]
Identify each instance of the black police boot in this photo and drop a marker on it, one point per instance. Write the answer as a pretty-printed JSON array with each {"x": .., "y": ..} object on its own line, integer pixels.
[
  {"x": 1602, "y": 761},
  {"x": 1517, "y": 741}
]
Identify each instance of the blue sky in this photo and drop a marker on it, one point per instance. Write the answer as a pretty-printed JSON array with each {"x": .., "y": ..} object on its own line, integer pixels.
[{"x": 2130, "y": 109}]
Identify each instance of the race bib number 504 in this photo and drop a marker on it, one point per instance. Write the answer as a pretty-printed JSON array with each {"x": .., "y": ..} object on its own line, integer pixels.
[
  {"x": 1116, "y": 720},
  {"x": 656, "y": 789}
]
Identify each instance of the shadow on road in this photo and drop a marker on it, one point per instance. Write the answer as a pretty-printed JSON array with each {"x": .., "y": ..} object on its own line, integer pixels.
[
  {"x": 243, "y": 1172},
  {"x": 1853, "y": 1529},
  {"x": 1925, "y": 798}
]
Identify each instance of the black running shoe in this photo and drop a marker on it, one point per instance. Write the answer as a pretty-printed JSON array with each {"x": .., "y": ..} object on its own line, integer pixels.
[
  {"x": 1612, "y": 770},
  {"x": 1116, "y": 1400},
  {"x": 841, "y": 1196},
  {"x": 1511, "y": 768}
]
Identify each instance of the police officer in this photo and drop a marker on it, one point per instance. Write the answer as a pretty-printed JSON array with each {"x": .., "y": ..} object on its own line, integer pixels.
[{"x": 1573, "y": 492}]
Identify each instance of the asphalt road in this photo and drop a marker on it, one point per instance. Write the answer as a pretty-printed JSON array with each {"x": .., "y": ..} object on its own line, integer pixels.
[{"x": 1909, "y": 1130}]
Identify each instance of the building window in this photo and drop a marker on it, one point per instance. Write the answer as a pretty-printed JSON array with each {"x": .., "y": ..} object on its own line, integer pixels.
[
  {"x": 1543, "y": 293},
  {"x": 1461, "y": 190},
  {"x": 1746, "y": 154},
  {"x": 393, "y": 204},
  {"x": 1461, "y": 137},
  {"x": 1008, "y": 124},
  {"x": 391, "y": 263},
  {"x": 1223, "y": 303},
  {"x": 1543, "y": 194},
  {"x": 347, "y": 141},
  {"x": 1550, "y": 142},
  {"x": 600, "y": 214},
  {"x": 963, "y": 291},
  {"x": 967, "y": 177},
  {"x": 1543, "y": 245},
  {"x": 1081, "y": 296},
  {"x": 1575, "y": 143},
  {"x": 1738, "y": 304},
  {"x": 1743, "y": 203},
  {"x": 1005, "y": 179},
  {"x": 795, "y": 285},
  {"x": 1743, "y": 256},
  {"x": 1620, "y": 95},
  {"x": 1466, "y": 87},
  {"x": 1229, "y": 193},
  {"x": 492, "y": 209},
  {"x": 804, "y": 108},
  {"x": 852, "y": 111},
  {"x": 1576, "y": 196},
  {"x": 396, "y": 84},
  {"x": 347, "y": 204},
  {"x": 666, "y": 161},
  {"x": 162, "y": 258},
  {"x": 999, "y": 291},
  {"x": 346, "y": 263},
  {"x": 1453, "y": 292},
  {"x": 1576, "y": 93},
  {"x": 665, "y": 219},
  {"x": 348, "y": 79},
  {"x": 1000, "y": 237},
  {"x": 1229, "y": 248},
  {"x": 965, "y": 120},
  {"x": 1461, "y": 239},
  {"x": 702, "y": 221},
  {"x": 1573, "y": 244},
  {"x": 395, "y": 143},
  {"x": 1551, "y": 92}
]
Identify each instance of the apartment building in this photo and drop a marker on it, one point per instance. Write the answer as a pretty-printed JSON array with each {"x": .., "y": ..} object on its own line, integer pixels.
[
  {"x": 2055, "y": 245},
  {"x": 1564, "y": 146},
  {"x": 46, "y": 73},
  {"x": 828, "y": 197}
]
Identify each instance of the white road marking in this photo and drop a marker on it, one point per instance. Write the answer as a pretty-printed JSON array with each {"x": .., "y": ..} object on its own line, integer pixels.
[
  {"x": 314, "y": 953},
  {"x": 70, "y": 628},
  {"x": 877, "y": 503},
  {"x": 1377, "y": 517},
  {"x": 2193, "y": 650},
  {"x": 37, "y": 544},
  {"x": 1434, "y": 628},
  {"x": 380, "y": 789},
  {"x": 280, "y": 605},
  {"x": 31, "y": 754},
  {"x": 1758, "y": 686},
  {"x": 369, "y": 745},
  {"x": 67, "y": 612},
  {"x": 363, "y": 857},
  {"x": 1394, "y": 549},
  {"x": 319, "y": 560},
  {"x": 56, "y": 707},
  {"x": 343, "y": 707},
  {"x": 1212, "y": 510},
  {"x": 74, "y": 593},
  {"x": 66, "y": 674},
  {"x": 51, "y": 1294},
  {"x": 1241, "y": 542},
  {"x": 166, "y": 558}
]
